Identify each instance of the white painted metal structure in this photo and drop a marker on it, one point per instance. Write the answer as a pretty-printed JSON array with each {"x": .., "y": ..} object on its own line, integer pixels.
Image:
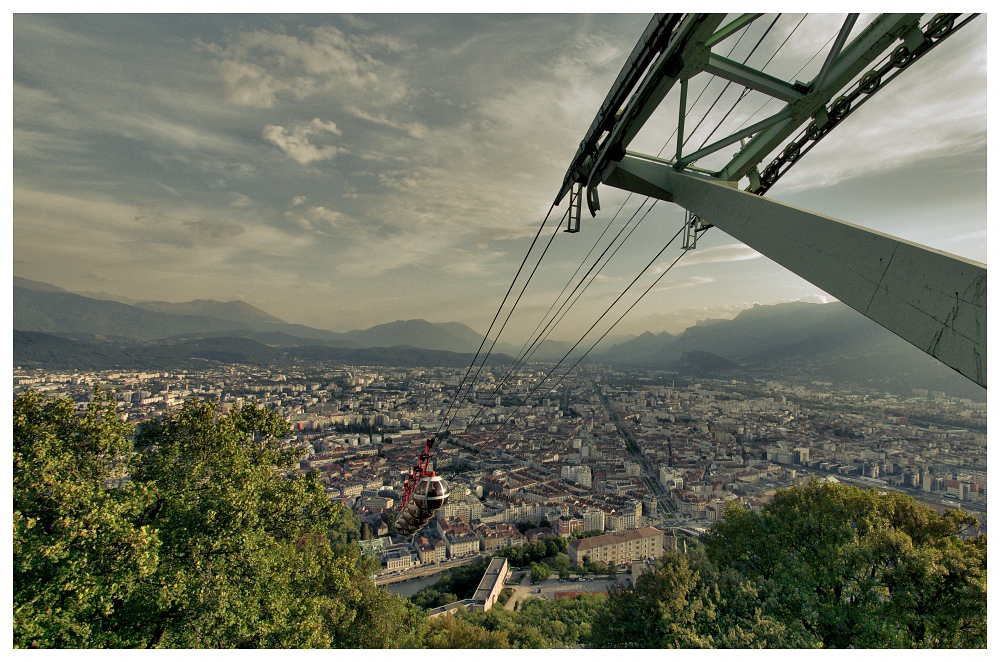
[{"x": 932, "y": 299}]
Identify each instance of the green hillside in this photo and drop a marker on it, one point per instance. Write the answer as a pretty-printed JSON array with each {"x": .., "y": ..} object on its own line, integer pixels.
[{"x": 191, "y": 532}]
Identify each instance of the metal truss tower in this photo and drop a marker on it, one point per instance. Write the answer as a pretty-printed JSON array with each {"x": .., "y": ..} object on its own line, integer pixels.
[{"x": 934, "y": 300}]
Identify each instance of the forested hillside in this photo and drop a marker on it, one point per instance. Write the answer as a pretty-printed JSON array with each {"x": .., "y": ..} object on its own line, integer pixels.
[{"x": 191, "y": 532}]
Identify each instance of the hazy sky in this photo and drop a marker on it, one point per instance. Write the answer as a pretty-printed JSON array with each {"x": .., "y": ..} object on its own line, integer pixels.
[{"x": 344, "y": 171}]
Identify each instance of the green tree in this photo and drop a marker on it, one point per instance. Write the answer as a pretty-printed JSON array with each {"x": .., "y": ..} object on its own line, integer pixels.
[
  {"x": 669, "y": 608},
  {"x": 82, "y": 554},
  {"x": 549, "y": 623},
  {"x": 211, "y": 542},
  {"x": 540, "y": 572},
  {"x": 859, "y": 568},
  {"x": 457, "y": 632}
]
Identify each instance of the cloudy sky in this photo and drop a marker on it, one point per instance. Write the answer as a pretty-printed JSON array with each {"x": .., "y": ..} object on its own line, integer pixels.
[{"x": 342, "y": 171}]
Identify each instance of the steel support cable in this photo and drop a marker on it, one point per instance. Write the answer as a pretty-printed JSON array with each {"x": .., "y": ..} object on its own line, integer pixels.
[
  {"x": 543, "y": 335},
  {"x": 525, "y": 354},
  {"x": 577, "y": 271},
  {"x": 726, "y": 87},
  {"x": 620, "y": 318},
  {"x": 610, "y": 257},
  {"x": 586, "y": 333},
  {"x": 459, "y": 396},
  {"x": 550, "y": 327},
  {"x": 509, "y": 289},
  {"x": 444, "y": 423},
  {"x": 705, "y": 89}
]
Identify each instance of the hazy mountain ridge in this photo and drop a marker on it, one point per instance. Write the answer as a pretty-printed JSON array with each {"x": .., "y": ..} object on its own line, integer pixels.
[
  {"x": 817, "y": 341},
  {"x": 64, "y": 313},
  {"x": 41, "y": 349},
  {"x": 447, "y": 336},
  {"x": 830, "y": 342},
  {"x": 234, "y": 311},
  {"x": 45, "y": 308}
]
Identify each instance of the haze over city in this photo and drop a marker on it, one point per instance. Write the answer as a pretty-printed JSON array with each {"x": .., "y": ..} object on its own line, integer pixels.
[{"x": 342, "y": 171}]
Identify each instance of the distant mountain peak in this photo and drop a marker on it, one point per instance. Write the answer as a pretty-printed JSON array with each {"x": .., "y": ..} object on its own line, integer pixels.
[
  {"x": 36, "y": 285},
  {"x": 235, "y": 311}
]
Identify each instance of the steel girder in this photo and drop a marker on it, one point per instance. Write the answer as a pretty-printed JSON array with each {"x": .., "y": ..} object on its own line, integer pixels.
[{"x": 934, "y": 300}]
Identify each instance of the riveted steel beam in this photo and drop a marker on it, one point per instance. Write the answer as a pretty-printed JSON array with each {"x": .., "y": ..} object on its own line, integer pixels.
[
  {"x": 780, "y": 116},
  {"x": 751, "y": 78},
  {"x": 655, "y": 38},
  {"x": 684, "y": 56},
  {"x": 856, "y": 57},
  {"x": 932, "y": 299}
]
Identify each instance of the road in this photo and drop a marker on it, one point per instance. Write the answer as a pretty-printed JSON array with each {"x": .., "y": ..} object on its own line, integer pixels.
[
  {"x": 385, "y": 578},
  {"x": 650, "y": 474}
]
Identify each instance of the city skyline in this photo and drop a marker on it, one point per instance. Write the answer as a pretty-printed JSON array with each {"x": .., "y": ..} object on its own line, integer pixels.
[{"x": 345, "y": 171}]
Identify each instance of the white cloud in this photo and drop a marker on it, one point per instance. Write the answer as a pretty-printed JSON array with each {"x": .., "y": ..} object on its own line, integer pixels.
[
  {"x": 295, "y": 142},
  {"x": 248, "y": 85},
  {"x": 727, "y": 253},
  {"x": 258, "y": 67},
  {"x": 413, "y": 129},
  {"x": 683, "y": 282},
  {"x": 320, "y": 220}
]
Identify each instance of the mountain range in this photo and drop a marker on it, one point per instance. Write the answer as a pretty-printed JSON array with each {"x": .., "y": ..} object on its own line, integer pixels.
[{"x": 830, "y": 342}]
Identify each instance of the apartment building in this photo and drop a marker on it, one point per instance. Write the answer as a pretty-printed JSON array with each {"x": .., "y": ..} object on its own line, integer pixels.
[{"x": 618, "y": 548}]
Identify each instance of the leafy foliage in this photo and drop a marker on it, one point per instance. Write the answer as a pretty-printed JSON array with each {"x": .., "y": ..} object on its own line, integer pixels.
[
  {"x": 207, "y": 544},
  {"x": 458, "y": 632},
  {"x": 820, "y": 566},
  {"x": 563, "y": 623},
  {"x": 540, "y": 572},
  {"x": 547, "y": 550},
  {"x": 670, "y": 608},
  {"x": 859, "y": 568}
]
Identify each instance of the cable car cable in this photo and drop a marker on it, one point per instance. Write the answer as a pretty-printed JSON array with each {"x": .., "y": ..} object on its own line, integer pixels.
[
  {"x": 550, "y": 327},
  {"x": 622, "y": 316},
  {"x": 613, "y": 303},
  {"x": 444, "y": 422},
  {"x": 530, "y": 345}
]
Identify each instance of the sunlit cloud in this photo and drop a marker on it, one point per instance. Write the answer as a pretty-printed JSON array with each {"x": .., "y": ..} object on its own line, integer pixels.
[
  {"x": 295, "y": 142},
  {"x": 413, "y": 129},
  {"x": 727, "y": 253},
  {"x": 817, "y": 298},
  {"x": 683, "y": 282}
]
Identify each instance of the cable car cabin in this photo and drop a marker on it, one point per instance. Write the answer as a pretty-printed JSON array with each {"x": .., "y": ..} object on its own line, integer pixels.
[{"x": 430, "y": 494}]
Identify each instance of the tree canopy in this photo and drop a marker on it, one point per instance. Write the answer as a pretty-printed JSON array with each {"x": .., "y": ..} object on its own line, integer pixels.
[
  {"x": 193, "y": 531},
  {"x": 189, "y": 533},
  {"x": 820, "y": 566}
]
